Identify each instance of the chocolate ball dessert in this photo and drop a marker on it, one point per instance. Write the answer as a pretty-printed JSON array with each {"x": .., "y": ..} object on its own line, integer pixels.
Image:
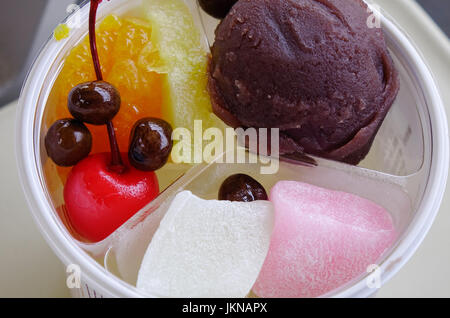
[{"x": 315, "y": 69}]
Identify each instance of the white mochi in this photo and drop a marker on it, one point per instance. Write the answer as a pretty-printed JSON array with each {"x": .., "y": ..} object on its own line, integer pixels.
[{"x": 207, "y": 248}]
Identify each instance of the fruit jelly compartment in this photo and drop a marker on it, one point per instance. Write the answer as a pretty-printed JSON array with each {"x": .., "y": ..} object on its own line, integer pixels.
[
  {"x": 400, "y": 145},
  {"x": 130, "y": 242},
  {"x": 50, "y": 173}
]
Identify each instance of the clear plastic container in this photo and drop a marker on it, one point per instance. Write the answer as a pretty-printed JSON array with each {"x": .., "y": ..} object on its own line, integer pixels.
[{"x": 405, "y": 171}]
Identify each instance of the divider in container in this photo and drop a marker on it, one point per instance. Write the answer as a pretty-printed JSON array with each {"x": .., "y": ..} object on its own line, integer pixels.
[
  {"x": 171, "y": 173},
  {"x": 130, "y": 244}
]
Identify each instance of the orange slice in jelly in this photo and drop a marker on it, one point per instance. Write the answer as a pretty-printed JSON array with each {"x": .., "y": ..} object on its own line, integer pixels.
[{"x": 120, "y": 42}]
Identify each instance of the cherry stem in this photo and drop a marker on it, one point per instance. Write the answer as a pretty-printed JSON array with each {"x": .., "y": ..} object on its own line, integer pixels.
[
  {"x": 93, "y": 40},
  {"x": 116, "y": 159}
]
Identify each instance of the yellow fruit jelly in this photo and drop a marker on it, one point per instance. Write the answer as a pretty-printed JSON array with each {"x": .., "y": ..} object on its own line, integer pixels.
[
  {"x": 61, "y": 32},
  {"x": 184, "y": 61}
]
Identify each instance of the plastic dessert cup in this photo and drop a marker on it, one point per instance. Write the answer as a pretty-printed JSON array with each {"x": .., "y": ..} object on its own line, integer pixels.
[{"x": 405, "y": 171}]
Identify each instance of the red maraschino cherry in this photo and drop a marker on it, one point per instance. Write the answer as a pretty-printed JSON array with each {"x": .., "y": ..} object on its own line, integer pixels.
[
  {"x": 98, "y": 200},
  {"x": 104, "y": 190}
]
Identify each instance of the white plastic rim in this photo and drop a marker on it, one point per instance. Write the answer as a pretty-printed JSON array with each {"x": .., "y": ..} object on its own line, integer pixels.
[{"x": 108, "y": 285}]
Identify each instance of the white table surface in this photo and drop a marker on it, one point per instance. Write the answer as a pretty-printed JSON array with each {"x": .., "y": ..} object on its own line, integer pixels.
[{"x": 28, "y": 267}]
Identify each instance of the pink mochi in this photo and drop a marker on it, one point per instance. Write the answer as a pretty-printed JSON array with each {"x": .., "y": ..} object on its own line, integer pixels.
[{"x": 321, "y": 240}]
